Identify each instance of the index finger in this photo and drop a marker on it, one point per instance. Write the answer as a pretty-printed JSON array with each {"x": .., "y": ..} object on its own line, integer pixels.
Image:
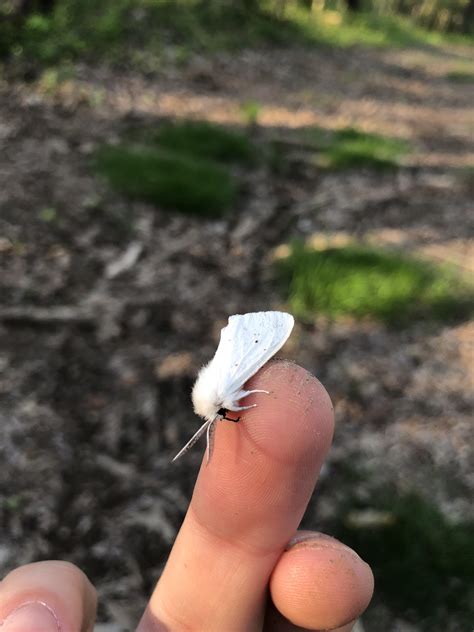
[{"x": 247, "y": 504}]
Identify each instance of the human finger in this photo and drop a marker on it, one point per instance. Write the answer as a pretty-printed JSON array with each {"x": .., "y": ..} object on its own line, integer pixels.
[
  {"x": 47, "y": 597},
  {"x": 246, "y": 506},
  {"x": 320, "y": 584},
  {"x": 276, "y": 622}
]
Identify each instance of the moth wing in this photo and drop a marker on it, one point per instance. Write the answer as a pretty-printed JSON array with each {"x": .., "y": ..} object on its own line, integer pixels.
[{"x": 246, "y": 344}]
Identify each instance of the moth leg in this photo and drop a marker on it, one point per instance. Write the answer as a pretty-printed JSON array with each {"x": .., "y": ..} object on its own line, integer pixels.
[
  {"x": 222, "y": 413},
  {"x": 210, "y": 436},
  {"x": 237, "y": 408},
  {"x": 234, "y": 405},
  {"x": 242, "y": 394}
]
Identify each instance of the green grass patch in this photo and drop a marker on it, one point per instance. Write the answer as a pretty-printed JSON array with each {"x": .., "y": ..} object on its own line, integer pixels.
[
  {"x": 342, "y": 29},
  {"x": 204, "y": 140},
  {"x": 460, "y": 76},
  {"x": 367, "y": 282},
  {"x": 352, "y": 148},
  {"x": 423, "y": 564},
  {"x": 168, "y": 179},
  {"x": 466, "y": 176},
  {"x": 176, "y": 165},
  {"x": 250, "y": 111}
]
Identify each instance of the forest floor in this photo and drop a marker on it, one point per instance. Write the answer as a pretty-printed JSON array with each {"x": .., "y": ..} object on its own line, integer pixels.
[{"x": 109, "y": 306}]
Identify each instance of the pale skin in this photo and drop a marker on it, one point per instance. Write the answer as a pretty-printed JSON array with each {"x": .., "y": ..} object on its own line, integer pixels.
[{"x": 238, "y": 564}]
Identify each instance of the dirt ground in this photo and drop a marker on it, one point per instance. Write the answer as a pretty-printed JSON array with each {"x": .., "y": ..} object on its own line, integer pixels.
[{"x": 97, "y": 357}]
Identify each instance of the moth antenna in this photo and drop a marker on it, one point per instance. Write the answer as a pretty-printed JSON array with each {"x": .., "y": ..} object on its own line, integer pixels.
[{"x": 193, "y": 439}]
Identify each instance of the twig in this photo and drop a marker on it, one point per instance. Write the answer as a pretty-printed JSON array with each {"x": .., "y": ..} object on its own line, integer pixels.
[
  {"x": 47, "y": 315},
  {"x": 125, "y": 261}
]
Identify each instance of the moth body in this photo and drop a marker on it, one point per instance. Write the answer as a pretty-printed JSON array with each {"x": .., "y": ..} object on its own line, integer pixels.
[
  {"x": 246, "y": 344},
  {"x": 209, "y": 402}
]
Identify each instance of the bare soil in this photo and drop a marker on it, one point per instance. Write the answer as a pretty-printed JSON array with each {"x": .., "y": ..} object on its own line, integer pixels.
[{"x": 97, "y": 358}]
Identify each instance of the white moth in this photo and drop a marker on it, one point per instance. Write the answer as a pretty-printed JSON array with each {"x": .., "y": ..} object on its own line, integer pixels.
[{"x": 247, "y": 343}]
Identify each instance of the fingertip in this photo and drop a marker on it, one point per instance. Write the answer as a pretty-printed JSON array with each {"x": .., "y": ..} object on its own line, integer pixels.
[
  {"x": 321, "y": 584},
  {"x": 59, "y": 587},
  {"x": 295, "y": 421}
]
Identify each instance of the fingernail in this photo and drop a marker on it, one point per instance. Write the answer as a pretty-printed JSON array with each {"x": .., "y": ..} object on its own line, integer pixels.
[
  {"x": 316, "y": 540},
  {"x": 35, "y": 616},
  {"x": 310, "y": 537}
]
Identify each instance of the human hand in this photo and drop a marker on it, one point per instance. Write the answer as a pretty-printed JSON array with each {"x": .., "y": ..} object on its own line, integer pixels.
[{"x": 238, "y": 564}]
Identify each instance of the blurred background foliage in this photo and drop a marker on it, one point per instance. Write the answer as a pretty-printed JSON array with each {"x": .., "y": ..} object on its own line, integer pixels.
[
  {"x": 391, "y": 529},
  {"x": 120, "y": 30}
]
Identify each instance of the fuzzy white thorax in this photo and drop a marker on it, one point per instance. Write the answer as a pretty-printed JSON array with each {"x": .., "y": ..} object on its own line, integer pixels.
[{"x": 204, "y": 395}]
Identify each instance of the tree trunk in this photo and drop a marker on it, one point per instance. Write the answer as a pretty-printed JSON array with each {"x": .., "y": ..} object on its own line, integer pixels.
[
  {"x": 250, "y": 5},
  {"x": 29, "y": 6},
  {"x": 354, "y": 5},
  {"x": 468, "y": 17}
]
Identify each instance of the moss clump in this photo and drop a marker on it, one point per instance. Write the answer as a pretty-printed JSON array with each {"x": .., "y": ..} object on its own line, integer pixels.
[
  {"x": 167, "y": 179},
  {"x": 202, "y": 139},
  {"x": 352, "y": 148}
]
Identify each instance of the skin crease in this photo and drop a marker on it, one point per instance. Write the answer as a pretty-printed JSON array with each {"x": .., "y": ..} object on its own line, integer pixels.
[{"x": 232, "y": 549}]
